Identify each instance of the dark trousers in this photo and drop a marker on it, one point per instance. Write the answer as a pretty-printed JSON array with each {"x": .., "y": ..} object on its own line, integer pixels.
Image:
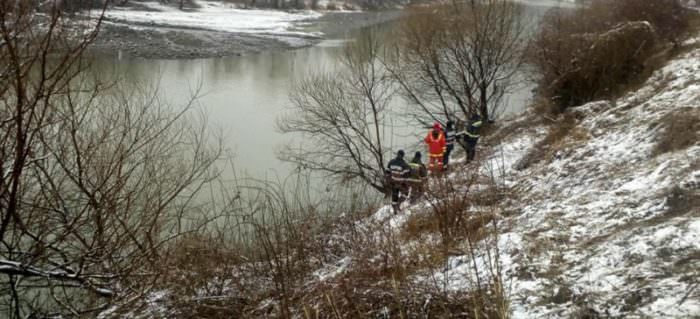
[
  {"x": 471, "y": 148},
  {"x": 446, "y": 158},
  {"x": 396, "y": 197}
]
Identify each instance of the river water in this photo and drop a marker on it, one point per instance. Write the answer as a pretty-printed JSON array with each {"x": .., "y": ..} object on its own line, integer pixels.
[{"x": 244, "y": 96}]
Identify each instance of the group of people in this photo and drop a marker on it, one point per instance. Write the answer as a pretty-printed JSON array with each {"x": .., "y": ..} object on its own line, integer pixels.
[{"x": 407, "y": 179}]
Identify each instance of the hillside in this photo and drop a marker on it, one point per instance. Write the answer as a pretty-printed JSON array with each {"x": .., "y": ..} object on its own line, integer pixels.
[
  {"x": 608, "y": 218},
  {"x": 593, "y": 214},
  {"x": 604, "y": 214}
]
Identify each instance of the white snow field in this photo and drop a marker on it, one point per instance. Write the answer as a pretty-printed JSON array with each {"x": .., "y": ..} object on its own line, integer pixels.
[{"x": 215, "y": 16}]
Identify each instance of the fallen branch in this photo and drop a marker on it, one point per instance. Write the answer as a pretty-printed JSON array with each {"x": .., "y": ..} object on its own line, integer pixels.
[{"x": 19, "y": 269}]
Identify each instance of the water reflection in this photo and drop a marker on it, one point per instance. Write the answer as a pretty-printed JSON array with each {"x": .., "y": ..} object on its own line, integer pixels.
[{"x": 243, "y": 96}]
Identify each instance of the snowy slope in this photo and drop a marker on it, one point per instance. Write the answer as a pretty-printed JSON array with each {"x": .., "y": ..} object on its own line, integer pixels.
[
  {"x": 605, "y": 227},
  {"x": 598, "y": 231}
]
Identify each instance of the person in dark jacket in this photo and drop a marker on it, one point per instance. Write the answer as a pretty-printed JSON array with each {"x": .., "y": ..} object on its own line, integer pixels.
[
  {"x": 419, "y": 173},
  {"x": 471, "y": 135},
  {"x": 398, "y": 170},
  {"x": 418, "y": 169},
  {"x": 450, "y": 137}
]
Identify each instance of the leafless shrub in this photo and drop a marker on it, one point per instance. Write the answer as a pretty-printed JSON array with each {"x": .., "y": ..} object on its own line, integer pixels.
[
  {"x": 680, "y": 130},
  {"x": 561, "y": 130},
  {"x": 204, "y": 278},
  {"x": 597, "y": 50},
  {"x": 376, "y": 265},
  {"x": 458, "y": 58},
  {"x": 94, "y": 181},
  {"x": 468, "y": 226},
  {"x": 344, "y": 119},
  {"x": 577, "y": 68},
  {"x": 669, "y": 17}
]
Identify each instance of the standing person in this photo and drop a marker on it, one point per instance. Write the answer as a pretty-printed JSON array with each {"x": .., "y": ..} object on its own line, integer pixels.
[
  {"x": 450, "y": 138},
  {"x": 436, "y": 147},
  {"x": 418, "y": 170},
  {"x": 398, "y": 170},
  {"x": 418, "y": 175},
  {"x": 471, "y": 135}
]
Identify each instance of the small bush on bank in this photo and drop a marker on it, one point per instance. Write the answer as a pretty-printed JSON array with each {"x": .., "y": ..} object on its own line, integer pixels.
[
  {"x": 545, "y": 150},
  {"x": 595, "y": 51},
  {"x": 669, "y": 18},
  {"x": 681, "y": 129},
  {"x": 202, "y": 279}
]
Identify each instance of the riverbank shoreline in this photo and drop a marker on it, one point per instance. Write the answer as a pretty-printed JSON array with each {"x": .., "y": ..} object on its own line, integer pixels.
[{"x": 162, "y": 41}]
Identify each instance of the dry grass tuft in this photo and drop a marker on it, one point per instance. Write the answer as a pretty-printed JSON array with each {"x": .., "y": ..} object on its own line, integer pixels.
[
  {"x": 681, "y": 129},
  {"x": 203, "y": 281},
  {"x": 564, "y": 134}
]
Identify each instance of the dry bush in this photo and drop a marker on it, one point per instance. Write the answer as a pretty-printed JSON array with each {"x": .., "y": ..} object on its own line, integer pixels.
[
  {"x": 377, "y": 263},
  {"x": 204, "y": 279},
  {"x": 595, "y": 51},
  {"x": 420, "y": 225},
  {"x": 377, "y": 277},
  {"x": 669, "y": 17},
  {"x": 577, "y": 68},
  {"x": 562, "y": 132},
  {"x": 681, "y": 129},
  {"x": 332, "y": 6},
  {"x": 397, "y": 300},
  {"x": 381, "y": 282},
  {"x": 269, "y": 269},
  {"x": 95, "y": 181}
]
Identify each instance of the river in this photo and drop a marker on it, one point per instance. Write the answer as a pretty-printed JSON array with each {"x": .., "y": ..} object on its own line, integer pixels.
[{"x": 244, "y": 96}]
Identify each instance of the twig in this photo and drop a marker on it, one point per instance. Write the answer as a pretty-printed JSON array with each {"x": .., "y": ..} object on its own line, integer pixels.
[{"x": 688, "y": 293}]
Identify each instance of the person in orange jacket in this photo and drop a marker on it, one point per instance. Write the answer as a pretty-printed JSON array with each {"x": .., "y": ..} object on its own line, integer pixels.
[{"x": 436, "y": 147}]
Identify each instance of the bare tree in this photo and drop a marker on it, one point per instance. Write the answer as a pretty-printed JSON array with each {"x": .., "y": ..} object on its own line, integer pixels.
[
  {"x": 93, "y": 182},
  {"x": 343, "y": 117},
  {"x": 459, "y": 57}
]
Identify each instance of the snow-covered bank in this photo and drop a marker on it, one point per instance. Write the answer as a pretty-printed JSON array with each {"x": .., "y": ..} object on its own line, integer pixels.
[
  {"x": 217, "y": 29},
  {"x": 608, "y": 226},
  {"x": 214, "y": 16},
  {"x": 151, "y": 29},
  {"x": 606, "y": 223},
  {"x": 550, "y": 3}
]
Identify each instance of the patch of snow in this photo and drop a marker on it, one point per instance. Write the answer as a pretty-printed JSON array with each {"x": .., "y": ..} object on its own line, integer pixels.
[
  {"x": 216, "y": 16},
  {"x": 332, "y": 271},
  {"x": 603, "y": 201}
]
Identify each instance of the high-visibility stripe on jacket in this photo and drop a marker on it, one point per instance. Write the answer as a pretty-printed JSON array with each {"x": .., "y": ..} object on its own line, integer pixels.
[
  {"x": 436, "y": 145},
  {"x": 472, "y": 130},
  {"x": 450, "y": 136},
  {"x": 398, "y": 168}
]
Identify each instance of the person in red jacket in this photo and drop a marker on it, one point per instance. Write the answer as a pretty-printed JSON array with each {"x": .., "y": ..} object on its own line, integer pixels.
[{"x": 436, "y": 147}]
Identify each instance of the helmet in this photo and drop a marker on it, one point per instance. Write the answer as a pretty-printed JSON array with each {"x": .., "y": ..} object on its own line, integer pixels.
[
  {"x": 437, "y": 126},
  {"x": 400, "y": 153},
  {"x": 418, "y": 155}
]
